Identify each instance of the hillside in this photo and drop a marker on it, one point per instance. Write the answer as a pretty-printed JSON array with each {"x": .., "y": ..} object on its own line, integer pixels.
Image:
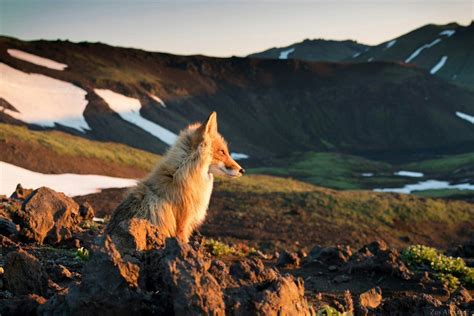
[
  {"x": 315, "y": 50},
  {"x": 444, "y": 50},
  {"x": 266, "y": 107}
]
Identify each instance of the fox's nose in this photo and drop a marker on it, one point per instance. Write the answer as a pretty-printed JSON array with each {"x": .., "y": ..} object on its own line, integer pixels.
[{"x": 242, "y": 170}]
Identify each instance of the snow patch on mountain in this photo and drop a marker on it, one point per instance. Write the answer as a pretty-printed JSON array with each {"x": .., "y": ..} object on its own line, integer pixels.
[
  {"x": 420, "y": 49},
  {"x": 69, "y": 183},
  {"x": 43, "y": 100},
  {"x": 284, "y": 54},
  {"x": 428, "y": 185},
  {"x": 129, "y": 110},
  {"x": 37, "y": 60},
  {"x": 390, "y": 44},
  {"x": 239, "y": 156},
  {"x": 439, "y": 65},
  {"x": 466, "y": 117},
  {"x": 448, "y": 33},
  {"x": 154, "y": 97},
  {"x": 412, "y": 174}
]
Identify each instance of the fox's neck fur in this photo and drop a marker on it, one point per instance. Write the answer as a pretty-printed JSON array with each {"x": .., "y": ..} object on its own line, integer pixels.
[{"x": 175, "y": 196}]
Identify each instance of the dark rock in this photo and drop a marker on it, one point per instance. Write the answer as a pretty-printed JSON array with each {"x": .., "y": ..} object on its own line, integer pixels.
[
  {"x": 378, "y": 258},
  {"x": 342, "y": 278},
  {"x": 23, "y": 305},
  {"x": 86, "y": 211},
  {"x": 109, "y": 287},
  {"x": 7, "y": 227},
  {"x": 24, "y": 274},
  {"x": 330, "y": 256},
  {"x": 48, "y": 214},
  {"x": 189, "y": 287},
  {"x": 289, "y": 259},
  {"x": 59, "y": 273},
  {"x": 411, "y": 304}
]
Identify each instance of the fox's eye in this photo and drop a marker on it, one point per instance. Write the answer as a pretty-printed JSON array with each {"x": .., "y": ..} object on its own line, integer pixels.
[{"x": 222, "y": 152}]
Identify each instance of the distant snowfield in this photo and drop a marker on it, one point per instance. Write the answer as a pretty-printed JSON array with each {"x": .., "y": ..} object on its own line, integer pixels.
[
  {"x": 390, "y": 44},
  {"x": 439, "y": 65},
  {"x": 420, "y": 49},
  {"x": 37, "y": 60},
  {"x": 129, "y": 110},
  {"x": 239, "y": 156},
  {"x": 428, "y": 185},
  {"x": 43, "y": 100},
  {"x": 412, "y": 174},
  {"x": 448, "y": 33},
  {"x": 70, "y": 184},
  {"x": 284, "y": 54},
  {"x": 367, "y": 174},
  {"x": 154, "y": 97},
  {"x": 466, "y": 117}
]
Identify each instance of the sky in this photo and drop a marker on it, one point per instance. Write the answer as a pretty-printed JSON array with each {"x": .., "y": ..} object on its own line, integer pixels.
[{"x": 223, "y": 28}]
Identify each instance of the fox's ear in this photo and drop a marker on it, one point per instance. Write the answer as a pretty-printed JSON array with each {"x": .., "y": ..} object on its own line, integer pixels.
[{"x": 209, "y": 127}]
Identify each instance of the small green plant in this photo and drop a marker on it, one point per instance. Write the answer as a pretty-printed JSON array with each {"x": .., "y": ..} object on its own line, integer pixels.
[
  {"x": 82, "y": 254},
  {"x": 449, "y": 270},
  {"x": 219, "y": 249},
  {"x": 327, "y": 310}
]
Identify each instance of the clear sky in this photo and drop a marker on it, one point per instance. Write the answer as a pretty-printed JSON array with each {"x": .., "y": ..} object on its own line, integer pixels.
[{"x": 222, "y": 28}]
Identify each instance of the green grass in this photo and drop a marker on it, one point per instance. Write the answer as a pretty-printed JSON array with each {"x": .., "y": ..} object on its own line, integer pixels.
[
  {"x": 330, "y": 170},
  {"x": 74, "y": 146},
  {"x": 444, "y": 164},
  {"x": 352, "y": 207},
  {"x": 452, "y": 271}
]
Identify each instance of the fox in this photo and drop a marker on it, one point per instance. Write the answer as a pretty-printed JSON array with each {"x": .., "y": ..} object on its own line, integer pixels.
[{"x": 175, "y": 195}]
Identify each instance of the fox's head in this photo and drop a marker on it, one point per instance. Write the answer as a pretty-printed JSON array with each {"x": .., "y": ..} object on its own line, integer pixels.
[{"x": 222, "y": 163}]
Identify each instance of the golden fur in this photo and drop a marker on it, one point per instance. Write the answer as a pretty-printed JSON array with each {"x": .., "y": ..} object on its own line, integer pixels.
[{"x": 176, "y": 194}]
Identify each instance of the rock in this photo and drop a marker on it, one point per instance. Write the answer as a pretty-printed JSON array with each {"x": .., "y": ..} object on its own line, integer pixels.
[
  {"x": 410, "y": 304},
  {"x": 283, "y": 296},
  {"x": 342, "y": 278},
  {"x": 23, "y": 305},
  {"x": 460, "y": 296},
  {"x": 330, "y": 256},
  {"x": 187, "y": 284},
  {"x": 251, "y": 271},
  {"x": 109, "y": 286},
  {"x": 7, "y": 227},
  {"x": 136, "y": 235},
  {"x": 59, "y": 273},
  {"x": 377, "y": 257},
  {"x": 21, "y": 193},
  {"x": 24, "y": 274},
  {"x": 288, "y": 259},
  {"x": 86, "y": 211},
  {"x": 370, "y": 299},
  {"x": 332, "y": 268},
  {"x": 48, "y": 214}
]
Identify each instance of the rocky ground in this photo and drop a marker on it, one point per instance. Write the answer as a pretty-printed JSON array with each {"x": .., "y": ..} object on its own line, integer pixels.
[{"x": 55, "y": 259}]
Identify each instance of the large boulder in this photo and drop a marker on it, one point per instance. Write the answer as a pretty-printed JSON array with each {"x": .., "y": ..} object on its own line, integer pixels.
[
  {"x": 377, "y": 257},
  {"x": 24, "y": 274},
  {"x": 109, "y": 287},
  {"x": 50, "y": 215},
  {"x": 136, "y": 235}
]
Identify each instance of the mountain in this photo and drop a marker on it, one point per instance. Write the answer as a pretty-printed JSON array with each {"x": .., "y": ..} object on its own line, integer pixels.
[
  {"x": 315, "y": 50},
  {"x": 266, "y": 107},
  {"x": 444, "y": 50}
]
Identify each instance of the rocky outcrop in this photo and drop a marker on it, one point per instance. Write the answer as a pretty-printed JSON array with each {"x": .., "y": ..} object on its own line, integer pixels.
[
  {"x": 24, "y": 274},
  {"x": 377, "y": 257},
  {"x": 136, "y": 235},
  {"x": 179, "y": 280},
  {"x": 47, "y": 214}
]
